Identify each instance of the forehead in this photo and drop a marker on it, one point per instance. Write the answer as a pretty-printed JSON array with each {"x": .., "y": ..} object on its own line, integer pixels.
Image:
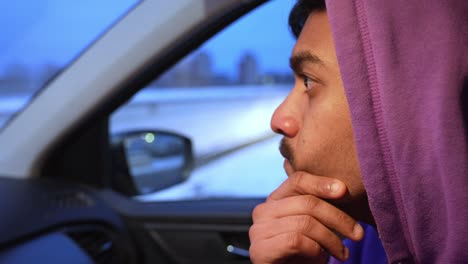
[{"x": 316, "y": 37}]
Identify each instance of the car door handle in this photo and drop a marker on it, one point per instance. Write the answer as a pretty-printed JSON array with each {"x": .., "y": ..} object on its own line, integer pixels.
[{"x": 238, "y": 252}]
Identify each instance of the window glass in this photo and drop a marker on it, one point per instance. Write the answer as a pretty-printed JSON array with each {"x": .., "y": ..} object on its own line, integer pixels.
[
  {"x": 221, "y": 97},
  {"x": 39, "y": 38}
]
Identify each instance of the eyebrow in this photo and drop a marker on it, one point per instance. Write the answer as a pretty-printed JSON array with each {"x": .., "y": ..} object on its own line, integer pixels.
[{"x": 299, "y": 59}]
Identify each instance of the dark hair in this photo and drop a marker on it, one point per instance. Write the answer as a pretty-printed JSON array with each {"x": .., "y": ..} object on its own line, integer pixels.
[{"x": 301, "y": 11}]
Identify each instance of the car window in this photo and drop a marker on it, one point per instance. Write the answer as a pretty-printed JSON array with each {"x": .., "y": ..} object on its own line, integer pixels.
[
  {"x": 221, "y": 97},
  {"x": 40, "y": 38}
]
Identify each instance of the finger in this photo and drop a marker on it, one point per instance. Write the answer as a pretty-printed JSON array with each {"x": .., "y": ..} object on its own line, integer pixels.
[
  {"x": 300, "y": 183},
  {"x": 288, "y": 167},
  {"x": 307, "y": 226},
  {"x": 282, "y": 246},
  {"x": 327, "y": 214}
]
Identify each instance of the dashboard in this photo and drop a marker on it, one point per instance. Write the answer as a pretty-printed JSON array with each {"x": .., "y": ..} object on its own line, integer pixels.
[{"x": 45, "y": 221}]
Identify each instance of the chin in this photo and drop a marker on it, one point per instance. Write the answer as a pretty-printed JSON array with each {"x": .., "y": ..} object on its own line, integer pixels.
[{"x": 355, "y": 206}]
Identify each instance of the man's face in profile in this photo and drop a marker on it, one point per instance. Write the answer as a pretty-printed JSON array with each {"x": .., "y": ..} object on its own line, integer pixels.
[{"x": 315, "y": 118}]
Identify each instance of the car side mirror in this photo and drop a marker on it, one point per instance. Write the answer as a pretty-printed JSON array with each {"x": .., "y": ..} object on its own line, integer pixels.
[{"x": 149, "y": 161}]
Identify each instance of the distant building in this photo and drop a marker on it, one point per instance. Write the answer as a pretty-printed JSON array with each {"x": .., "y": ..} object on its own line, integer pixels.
[
  {"x": 248, "y": 72},
  {"x": 277, "y": 78},
  {"x": 16, "y": 80},
  {"x": 201, "y": 69},
  {"x": 192, "y": 71},
  {"x": 181, "y": 75},
  {"x": 197, "y": 70}
]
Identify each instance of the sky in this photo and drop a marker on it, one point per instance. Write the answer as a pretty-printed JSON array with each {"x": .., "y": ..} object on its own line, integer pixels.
[
  {"x": 55, "y": 31},
  {"x": 267, "y": 36}
]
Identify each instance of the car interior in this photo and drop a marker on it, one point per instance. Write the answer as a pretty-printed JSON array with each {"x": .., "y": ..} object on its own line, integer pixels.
[{"x": 73, "y": 205}]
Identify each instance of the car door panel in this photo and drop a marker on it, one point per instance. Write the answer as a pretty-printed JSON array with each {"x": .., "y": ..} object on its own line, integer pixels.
[{"x": 199, "y": 231}]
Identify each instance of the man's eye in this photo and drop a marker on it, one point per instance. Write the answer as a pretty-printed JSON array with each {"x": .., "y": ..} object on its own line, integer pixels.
[{"x": 308, "y": 83}]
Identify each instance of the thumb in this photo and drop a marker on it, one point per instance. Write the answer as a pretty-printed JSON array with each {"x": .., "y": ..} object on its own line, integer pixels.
[{"x": 288, "y": 168}]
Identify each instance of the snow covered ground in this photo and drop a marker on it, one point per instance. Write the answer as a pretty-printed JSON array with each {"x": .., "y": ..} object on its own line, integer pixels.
[{"x": 216, "y": 119}]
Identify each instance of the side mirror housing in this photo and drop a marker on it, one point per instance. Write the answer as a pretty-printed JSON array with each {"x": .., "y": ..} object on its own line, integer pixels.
[{"x": 149, "y": 161}]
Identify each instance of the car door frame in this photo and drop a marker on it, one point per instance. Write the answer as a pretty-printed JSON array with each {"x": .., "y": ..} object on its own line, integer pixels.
[
  {"x": 82, "y": 155},
  {"x": 90, "y": 94}
]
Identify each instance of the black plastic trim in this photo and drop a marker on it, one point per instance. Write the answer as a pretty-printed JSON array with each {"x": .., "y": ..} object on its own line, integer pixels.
[
  {"x": 33, "y": 208},
  {"x": 205, "y": 212}
]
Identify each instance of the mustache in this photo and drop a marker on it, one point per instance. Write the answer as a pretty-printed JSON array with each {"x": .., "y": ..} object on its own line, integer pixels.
[{"x": 286, "y": 151}]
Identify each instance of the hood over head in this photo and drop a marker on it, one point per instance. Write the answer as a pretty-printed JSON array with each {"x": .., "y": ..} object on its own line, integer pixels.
[{"x": 404, "y": 66}]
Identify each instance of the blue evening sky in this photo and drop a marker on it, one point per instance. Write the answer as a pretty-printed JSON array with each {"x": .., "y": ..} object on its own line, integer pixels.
[{"x": 37, "y": 33}]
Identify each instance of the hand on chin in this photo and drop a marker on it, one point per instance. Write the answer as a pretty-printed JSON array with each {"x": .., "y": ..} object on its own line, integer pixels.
[{"x": 297, "y": 220}]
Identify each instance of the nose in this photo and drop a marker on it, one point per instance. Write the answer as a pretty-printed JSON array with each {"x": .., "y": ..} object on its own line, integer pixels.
[{"x": 284, "y": 120}]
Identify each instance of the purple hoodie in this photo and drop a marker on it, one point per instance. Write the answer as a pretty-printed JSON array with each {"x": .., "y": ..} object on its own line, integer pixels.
[{"x": 404, "y": 66}]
